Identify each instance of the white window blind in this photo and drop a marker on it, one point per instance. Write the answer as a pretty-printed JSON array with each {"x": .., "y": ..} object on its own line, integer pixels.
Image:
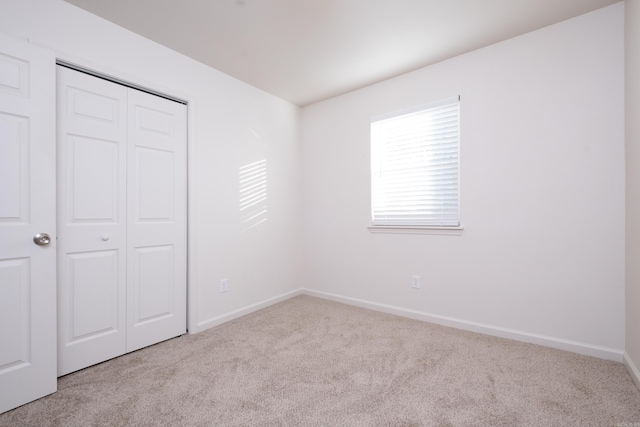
[{"x": 414, "y": 167}]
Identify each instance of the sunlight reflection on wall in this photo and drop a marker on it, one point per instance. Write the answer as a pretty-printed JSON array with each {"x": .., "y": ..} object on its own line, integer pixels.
[{"x": 253, "y": 195}]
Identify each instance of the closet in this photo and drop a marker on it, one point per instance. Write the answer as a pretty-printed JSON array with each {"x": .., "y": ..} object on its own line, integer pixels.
[{"x": 121, "y": 219}]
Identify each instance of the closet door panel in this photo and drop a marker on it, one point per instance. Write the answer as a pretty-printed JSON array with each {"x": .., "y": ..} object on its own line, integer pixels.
[
  {"x": 156, "y": 264},
  {"x": 91, "y": 220}
]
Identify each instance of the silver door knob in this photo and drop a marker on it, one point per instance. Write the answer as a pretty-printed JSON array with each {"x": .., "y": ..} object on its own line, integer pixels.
[{"x": 42, "y": 239}]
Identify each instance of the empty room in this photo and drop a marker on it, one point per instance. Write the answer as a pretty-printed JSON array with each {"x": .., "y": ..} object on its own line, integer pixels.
[{"x": 320, "y": 212}]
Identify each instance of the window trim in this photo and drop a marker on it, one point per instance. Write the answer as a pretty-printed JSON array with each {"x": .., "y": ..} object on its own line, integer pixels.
[{"x": 403, "y": 229}]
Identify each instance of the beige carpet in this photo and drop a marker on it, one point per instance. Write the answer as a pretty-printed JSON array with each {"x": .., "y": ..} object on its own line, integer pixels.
[{"x": 311, "y": 362}]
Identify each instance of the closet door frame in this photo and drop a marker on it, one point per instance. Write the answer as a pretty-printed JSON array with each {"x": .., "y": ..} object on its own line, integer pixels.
[{"x": 161, "y": 89}]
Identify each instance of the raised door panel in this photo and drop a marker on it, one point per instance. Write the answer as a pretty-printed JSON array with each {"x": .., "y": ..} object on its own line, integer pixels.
[
  {"x": 15, "y": 296},
  {"x": 92, "y": 156},
  {"x": 93, "y": 296},
  {"x": 27, "y": 207},
  {"x": 90, "y": 109},
  {"x": 154, "y": 189},
  {"x": 156, "y": 219},
  {"x": 15, "y": 75},
  {"x": 14, "y": 164},
  {"x": 93, "y": 175},
  {"x": 154, "y": 284}
]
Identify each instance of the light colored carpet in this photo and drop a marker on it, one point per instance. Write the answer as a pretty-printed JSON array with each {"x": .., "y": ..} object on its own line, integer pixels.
[{"x": 312, "y": 362}]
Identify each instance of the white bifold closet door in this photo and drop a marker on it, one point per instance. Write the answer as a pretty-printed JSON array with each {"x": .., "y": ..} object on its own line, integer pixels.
[{"x": 122, "y": 203}]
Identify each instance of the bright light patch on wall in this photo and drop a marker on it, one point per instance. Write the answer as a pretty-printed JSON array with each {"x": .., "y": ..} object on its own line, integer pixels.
[{"x": 253, "y": 195}]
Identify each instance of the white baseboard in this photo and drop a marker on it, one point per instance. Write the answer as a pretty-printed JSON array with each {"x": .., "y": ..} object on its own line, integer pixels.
[
  {"x": 573, "y": 346},
  {"x": 632, "y": 368},
  {"x": 215, "y": 321}
]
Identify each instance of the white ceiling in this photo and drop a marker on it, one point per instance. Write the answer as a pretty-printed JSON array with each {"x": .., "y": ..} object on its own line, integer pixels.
[{"x": 305, "y": 51}]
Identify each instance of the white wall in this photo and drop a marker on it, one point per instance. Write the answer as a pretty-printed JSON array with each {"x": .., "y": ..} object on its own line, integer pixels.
[
  {"x": 230, "y": 125},
  {"x": 632, "y": 124},
  {"x": 542, "y": 254},
  {"x": 542, "y": 177}
]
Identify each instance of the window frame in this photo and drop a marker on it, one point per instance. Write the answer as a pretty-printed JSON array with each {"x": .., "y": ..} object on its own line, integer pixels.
[{"x": 455, "y": 230}]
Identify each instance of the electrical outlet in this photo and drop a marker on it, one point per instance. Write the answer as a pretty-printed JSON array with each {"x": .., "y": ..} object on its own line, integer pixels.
[
  {"x": 415, "y": 282},
  {"x": 223, "y": 285}
]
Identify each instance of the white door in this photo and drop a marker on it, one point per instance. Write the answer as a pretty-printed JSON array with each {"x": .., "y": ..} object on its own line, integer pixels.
[
  {"x": 157, "y": 220},
  {"x": 27, "y": 208},
  {"x": 121, "y": 219},
  {"x": 92, "y": 220}
]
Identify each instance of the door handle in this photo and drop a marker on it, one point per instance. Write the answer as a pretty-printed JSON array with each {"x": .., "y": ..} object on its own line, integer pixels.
[{"x": 42, "y": 239}]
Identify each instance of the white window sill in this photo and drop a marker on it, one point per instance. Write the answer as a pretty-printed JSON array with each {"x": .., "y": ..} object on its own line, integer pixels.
[{"x": 402, "y": 229}]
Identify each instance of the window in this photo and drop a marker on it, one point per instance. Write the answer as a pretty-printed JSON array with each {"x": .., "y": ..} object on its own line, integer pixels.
[{"x": 414, "y": 167}]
